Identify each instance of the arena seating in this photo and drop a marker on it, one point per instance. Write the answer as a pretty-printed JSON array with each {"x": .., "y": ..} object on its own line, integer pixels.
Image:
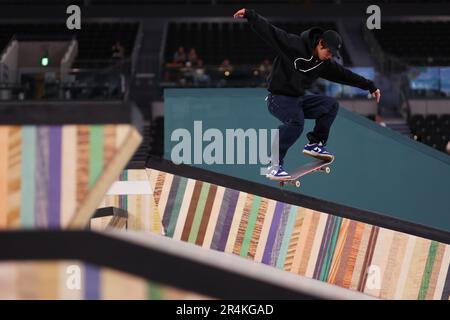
[
  {"x": 419, "y": 43},
  {"x": 431, "y": 129},
  {"x": 95, "y": 39},
  {"x": 236, "y": 41}
]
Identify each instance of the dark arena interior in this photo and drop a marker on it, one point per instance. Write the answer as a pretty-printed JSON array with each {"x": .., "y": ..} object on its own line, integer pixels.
[{"x": 98, "y": 97}]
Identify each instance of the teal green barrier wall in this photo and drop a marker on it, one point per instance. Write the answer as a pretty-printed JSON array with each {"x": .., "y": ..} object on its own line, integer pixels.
[{"x": 375, "y": 169}]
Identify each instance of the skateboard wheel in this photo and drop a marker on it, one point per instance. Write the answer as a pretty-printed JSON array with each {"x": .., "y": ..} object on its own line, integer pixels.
[
  {"x": 327, "y": 169},
  {"x": 297, "y": 184}
]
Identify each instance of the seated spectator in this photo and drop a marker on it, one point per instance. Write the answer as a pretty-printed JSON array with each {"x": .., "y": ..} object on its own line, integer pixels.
[
  {"x": 180, "y": 56},
  {"x": 173, "y": 68},
  {"x": 200, "y": 76},
  {"x": 192, "y": 56},
  {"x": 188, "y": 71},
  {"x": 188, "y": 74},
  {"x": 118, "y": 51},
  {"x": 226, "y": 67}
]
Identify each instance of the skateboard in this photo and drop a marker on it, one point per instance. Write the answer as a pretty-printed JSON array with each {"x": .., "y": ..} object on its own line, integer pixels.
[{"x": 317, "y": 165}]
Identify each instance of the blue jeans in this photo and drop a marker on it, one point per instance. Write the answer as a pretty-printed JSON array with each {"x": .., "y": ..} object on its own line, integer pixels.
[{"x": 292, "y": 112}]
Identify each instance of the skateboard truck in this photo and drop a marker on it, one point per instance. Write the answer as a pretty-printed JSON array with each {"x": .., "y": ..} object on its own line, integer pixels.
[{"x": 315, "y": 166}]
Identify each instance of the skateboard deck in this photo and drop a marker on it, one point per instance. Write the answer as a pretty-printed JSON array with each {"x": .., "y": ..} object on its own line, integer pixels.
[{"x": 316, "y": 166}]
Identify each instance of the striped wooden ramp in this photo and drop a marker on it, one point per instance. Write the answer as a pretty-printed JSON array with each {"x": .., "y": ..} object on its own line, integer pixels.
[
  {"x": 55, "y": 176},
  {"x": 378, "y": 261},
  {"x": 56, "y": 280}
]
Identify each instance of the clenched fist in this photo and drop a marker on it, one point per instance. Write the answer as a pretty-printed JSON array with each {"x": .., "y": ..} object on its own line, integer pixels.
[{"x": 239, "y": 14}]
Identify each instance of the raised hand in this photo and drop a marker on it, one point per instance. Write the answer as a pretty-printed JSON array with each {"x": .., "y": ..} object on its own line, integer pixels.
[
  {"x": 377, "y": 95},
  {"x": 239, "y": 14}
]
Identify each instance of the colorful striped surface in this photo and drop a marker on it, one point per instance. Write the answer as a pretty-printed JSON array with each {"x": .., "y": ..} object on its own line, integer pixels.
[
  {"x": 143, "y": 213},
  {"x": 47, "y": 172},
  {"x": 74, "y": 280},
  {"x": 351, "y": 254}
]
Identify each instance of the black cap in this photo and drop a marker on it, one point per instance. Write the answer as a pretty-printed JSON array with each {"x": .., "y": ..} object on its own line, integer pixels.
[{"x": 333, "y": 41}]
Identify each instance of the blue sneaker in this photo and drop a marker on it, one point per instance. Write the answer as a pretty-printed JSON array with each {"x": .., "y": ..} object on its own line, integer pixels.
[
  {"x": 317, "y": 150},
  {"x": 277, "y": 173}
]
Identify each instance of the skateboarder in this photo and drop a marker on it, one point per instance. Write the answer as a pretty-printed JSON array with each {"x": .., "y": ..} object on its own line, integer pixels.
[{"x": 300, "y": 60}]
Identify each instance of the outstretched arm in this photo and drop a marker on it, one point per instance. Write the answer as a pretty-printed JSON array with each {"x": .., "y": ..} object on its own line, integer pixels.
[
  {"x": 337, "y": 73},
  {"x": 277, "y": 38}
]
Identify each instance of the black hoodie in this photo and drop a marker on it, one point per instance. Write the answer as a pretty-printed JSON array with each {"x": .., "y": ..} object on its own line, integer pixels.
[{"x": 295, "y": 68}]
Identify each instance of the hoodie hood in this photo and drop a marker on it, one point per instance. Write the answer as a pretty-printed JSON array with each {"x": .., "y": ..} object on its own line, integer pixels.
[{"x": 310, "y": 38}]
